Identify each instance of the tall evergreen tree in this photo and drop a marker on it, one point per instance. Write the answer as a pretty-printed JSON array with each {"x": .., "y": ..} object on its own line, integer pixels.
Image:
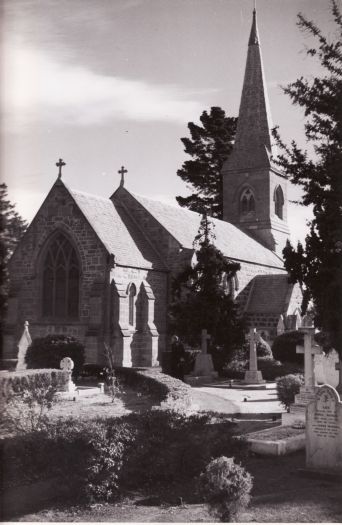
[
  {"x": 317, "y": 265},
  {"x": 209, "y": 146},
  {"x": 12, "y": 227},
  {"x": 201, "y": 296}
]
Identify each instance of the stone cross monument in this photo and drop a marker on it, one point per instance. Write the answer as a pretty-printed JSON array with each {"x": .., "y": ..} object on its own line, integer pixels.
[
  {"x": 204, "y": 369},
  {"x": 253, "y": 375},
  {"x": 296, "y": 415}
]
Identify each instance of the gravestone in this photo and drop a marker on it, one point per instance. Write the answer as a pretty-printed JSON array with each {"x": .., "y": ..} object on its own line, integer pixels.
[
  {"x": 203, "y": 369},
  {"x": 253, "y": 375},
  {"x": 296, "y": 414},
  {"x": 324, "y": 431},
  {"x": 67, "y": 365},
  {"x": 324, "y": 368},
  {"x": 23, "y": 345}
]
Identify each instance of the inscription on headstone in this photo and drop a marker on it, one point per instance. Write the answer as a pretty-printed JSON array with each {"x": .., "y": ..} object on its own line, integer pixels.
[{"x": 324, "y": 430}]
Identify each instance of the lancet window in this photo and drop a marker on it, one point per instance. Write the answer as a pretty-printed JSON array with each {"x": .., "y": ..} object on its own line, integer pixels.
[
  {"x": 247, "y": 201},
  {"x": 278, "y": 202},
  {"x": 61, "y": 280}
]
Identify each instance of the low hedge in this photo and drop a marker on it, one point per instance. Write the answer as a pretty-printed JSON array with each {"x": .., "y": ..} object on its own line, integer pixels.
[
  {"x": 270, "y": 369},
  {"x": 12, "y": 383},
  {"x": 164, "y": 388},
  {"x": 99, "y": 459}
]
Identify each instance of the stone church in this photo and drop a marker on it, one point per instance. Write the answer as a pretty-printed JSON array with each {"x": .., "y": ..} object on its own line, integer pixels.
[{"x": 100, "y": 268}]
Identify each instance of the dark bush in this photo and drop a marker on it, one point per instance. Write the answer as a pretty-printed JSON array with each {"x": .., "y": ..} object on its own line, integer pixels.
[
  {"x": 92, "y": 370},
  {"x": 47, "y": 352},
  {"x": 287, "y": 387},
  {"x": 284, "y": 347}
]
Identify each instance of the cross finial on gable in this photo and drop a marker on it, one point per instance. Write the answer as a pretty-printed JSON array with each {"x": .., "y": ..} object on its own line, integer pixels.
[
  {"x": 122, "y": 172},
  {"x": 60, "y": 165}
]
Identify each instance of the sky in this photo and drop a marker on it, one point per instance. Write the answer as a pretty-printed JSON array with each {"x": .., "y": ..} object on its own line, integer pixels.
[{"x": 106, "y": 83}]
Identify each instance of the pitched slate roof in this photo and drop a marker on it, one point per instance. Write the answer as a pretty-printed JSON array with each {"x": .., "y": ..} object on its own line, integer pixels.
[
  {"x": 269, "y": 294},
  {"x": 183, "y": 225},
  {"x": 113, "y": 233}
]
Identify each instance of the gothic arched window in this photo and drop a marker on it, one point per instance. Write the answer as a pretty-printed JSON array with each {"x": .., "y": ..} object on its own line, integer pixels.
[
  {"x": 247, "y": 201},
  {"x": 278, "y": 202},
  {"x": 132, "y": 292},
  {"x": 61, "y": 280}
]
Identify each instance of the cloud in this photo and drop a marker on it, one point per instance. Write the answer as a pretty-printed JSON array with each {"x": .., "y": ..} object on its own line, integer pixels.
[{"x": 38, "y": 88}]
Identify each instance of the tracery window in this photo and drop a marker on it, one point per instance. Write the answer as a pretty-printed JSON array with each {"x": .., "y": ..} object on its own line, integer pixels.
[
  {"x": 278, "y": 202},
  {"x": 61, "y": 280},
  {"x": 132, "y": 292},
  {"x": 247, "y": 201}
]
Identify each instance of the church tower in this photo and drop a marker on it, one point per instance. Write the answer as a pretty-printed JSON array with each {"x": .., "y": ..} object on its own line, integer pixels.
[{"x": 254, "y": 190}]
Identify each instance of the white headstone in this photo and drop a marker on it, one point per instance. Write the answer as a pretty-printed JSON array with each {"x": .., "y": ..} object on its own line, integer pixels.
[
  {"x": 324, "y": 368},
  {"x": 23, "y": 345},
  {"x": 324, "y": 430},
  {"x": 67, "y": 365}
]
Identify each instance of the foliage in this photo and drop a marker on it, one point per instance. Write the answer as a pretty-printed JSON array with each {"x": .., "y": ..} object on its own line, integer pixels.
[
  {"x": 270, "y": 368},
  {"x": 317, "y": 265},
  {"x": 162, "y": 387},
  {"x": 284, "y": 347},
  {"x": 48, "y": 351},
  {"x": 226, "y": 487},
  {"x": 172, "y": 447},
  {"x": 88, "y": 456},
  {"x": 27, "y": 411},
  {"x": 101, "y": 458},
  {"x": 14, "y": 383},
  {"x": 12, "y": 228},
  {"x": 200, "y": 298},
  {"x": 287, "y": 387},
  {"x": 209, "y": 146}
]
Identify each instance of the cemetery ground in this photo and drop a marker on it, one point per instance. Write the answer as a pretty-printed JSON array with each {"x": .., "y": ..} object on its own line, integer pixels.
[{"x": 280, "y": 493}]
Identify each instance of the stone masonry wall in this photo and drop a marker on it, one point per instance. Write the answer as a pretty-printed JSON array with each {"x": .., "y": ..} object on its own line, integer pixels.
[{"x": 58, "y": 213}]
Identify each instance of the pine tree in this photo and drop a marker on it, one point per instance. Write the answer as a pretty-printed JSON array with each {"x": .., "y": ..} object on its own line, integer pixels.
[
  {"x": 12, "y": 227},
  {"x": 209, "y": 146},
  {"x": 201, "y": 300},
  {"x": 317, "y": 265}
]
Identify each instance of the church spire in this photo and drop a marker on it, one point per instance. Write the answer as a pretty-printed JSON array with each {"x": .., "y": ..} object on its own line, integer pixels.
[
  {"x": 253, "y": 147},
  {"x": 254, "y": 37}
]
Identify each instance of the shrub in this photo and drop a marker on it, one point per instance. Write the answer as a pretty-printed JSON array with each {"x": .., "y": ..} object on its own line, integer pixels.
[
  {"x": 284, "y": 347},
  {"x": 287, "y": 387},
  {"x": 88, "y": 456},
  {"x": 47, "y": 352},
  {"x": 156, "y": 384},
  {"x": 12, "y": 383},
  {"x": 171, "y": 447},
  {"x": 226, "y": 487},
  {"x": 100, "y": 458},
  {"x": 27, "y": 412}
]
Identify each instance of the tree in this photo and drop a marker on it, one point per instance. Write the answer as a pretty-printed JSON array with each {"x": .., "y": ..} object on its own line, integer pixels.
[
  {"x": 200, "y": 299},
  {"x": 12, "y": 227},
  {"x": 209, "y": 146},
  {"x": 317, "y": 265}
]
